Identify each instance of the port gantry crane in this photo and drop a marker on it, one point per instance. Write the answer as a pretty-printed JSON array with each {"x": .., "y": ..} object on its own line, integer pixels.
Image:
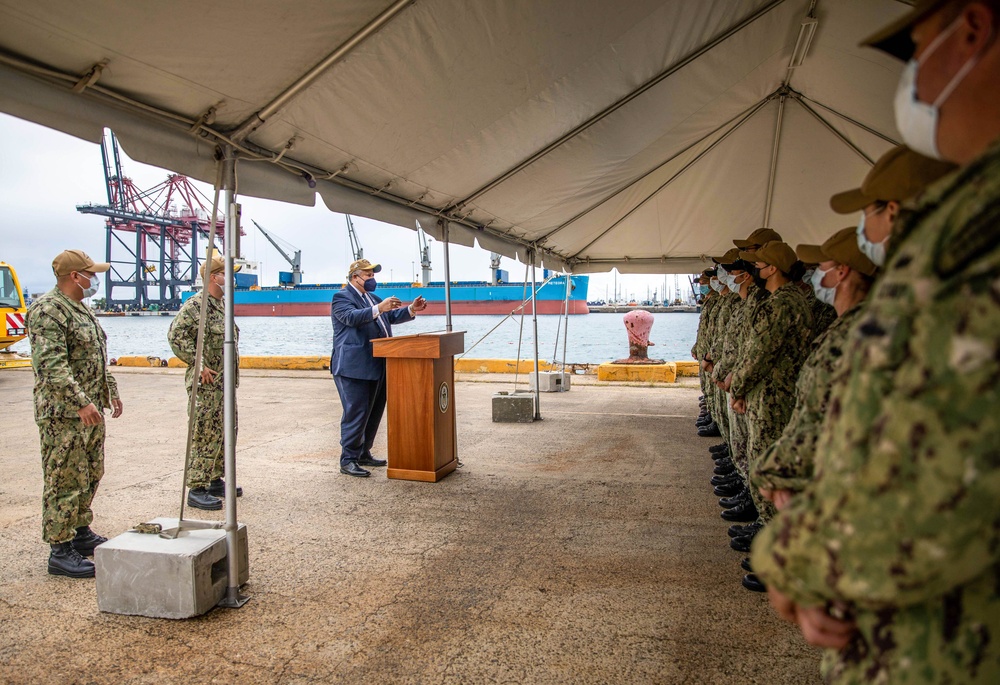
[
  {"x": 295, "y": 261},
  {"x": 359, "y": 253},
  {"x": 152, "y": 245},
  {"x": 425, "y": 256}
]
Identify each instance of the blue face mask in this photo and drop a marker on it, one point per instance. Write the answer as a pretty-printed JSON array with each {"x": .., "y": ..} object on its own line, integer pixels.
[
  {"x": 370, "y": 285},
  {"x": 705, "y": 289},
  {"x": 874, "y": 251}
]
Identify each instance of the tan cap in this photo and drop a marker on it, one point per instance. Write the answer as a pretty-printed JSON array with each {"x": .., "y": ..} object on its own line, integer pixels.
[
  {"x": 218, "y": 264},
  {"x": 68, "y": 261},
  {"x": 894, "y": 38},
  {"x": 775, "y": 253},
  {"x": 729, "y": 257},
  {"x": 898, "y": 175},
  {"x": 363, "y": 265},
  {"x": 758, "y": 238},
  {"x": 810, "y": 254},
  {"x": 842, "y": 247}
]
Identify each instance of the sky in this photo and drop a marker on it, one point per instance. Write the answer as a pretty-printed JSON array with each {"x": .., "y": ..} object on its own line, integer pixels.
[{"x": 44, "y": 174}]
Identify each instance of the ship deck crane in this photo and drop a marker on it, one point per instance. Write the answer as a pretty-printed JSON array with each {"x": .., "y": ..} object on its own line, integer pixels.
[
  {"x": 425, "y": 256},
  {"x": 356, "y": 248},
  {"x": 295, "y": 261}
]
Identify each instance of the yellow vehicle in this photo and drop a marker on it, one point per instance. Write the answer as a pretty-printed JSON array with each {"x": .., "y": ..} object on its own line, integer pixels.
[{"x": 12, "y": 310}]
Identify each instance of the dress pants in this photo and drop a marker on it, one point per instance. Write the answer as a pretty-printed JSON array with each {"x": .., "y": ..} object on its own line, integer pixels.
[{"x": 364, "y": 403}]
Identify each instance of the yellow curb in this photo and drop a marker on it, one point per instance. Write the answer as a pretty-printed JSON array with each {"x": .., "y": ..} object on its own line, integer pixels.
[
  {"x": 690, "y": 368},
  {"x": 499, "y": 366},
  {"x": 659, "y": 373}
]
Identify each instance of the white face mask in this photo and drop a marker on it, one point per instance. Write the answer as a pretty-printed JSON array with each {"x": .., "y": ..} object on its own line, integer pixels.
[
  {"x": 93, "y": 284},
  {"x": 918, "y": 121},
  {"x": 874, "y": 251},
  {"x": 716, "y": 285},
  {"x": 823, "y": 293}
]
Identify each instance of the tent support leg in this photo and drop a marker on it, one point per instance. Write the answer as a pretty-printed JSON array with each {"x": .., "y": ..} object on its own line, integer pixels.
[
  {"x": 447, "y": 275},
  {"x": 233, "y": 598},
  {"x": 534, "y": 325}
]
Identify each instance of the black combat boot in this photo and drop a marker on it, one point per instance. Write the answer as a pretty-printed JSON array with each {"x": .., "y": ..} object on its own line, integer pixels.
[
  {"x": 86, "y": 540},
  {"x": 198, "y": 498},
  {"x": 217, "y": 488},
  {"x": 66, "y": 561},
  {"x": 753, "y": 583},
  {"x": 709, "y": 431}
]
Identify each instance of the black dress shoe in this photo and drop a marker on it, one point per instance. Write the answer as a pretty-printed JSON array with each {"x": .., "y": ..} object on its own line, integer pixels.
[
  {"x": 735, "y": 500},
  {"x": 86, "y": 540},
  {"x": 741, "y": 544},
  {"x": 198, "y": 498},
  {"x": 724, "y": 469},
  {"x": 721, "y": 447},
  {"x": 64, "y": 560},
  {"x": 352, "y": 469},
  {"x": 733, "y": 477},
  {"x": 745, "y": 565},
  {"x": 737, "y": 530},
  {"x": 744, "y": 513},
  {"x": 728, "y": 490},
  {"x": 709, "y": 431},
  {"x": 371, "y": 461},
  {"x": 752, "y": 582},
  {"x": 217, "y": 488}
]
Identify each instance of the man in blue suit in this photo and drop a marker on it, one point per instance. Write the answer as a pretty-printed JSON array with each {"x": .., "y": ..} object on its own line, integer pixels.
[{"x": 359, "y": 316}]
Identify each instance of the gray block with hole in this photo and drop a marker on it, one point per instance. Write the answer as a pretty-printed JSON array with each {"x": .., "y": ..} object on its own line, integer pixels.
[
  {"x": 517, "y": 407},
  {"x": 147, "y": 575},
  {"x": 550, "y": 381}
]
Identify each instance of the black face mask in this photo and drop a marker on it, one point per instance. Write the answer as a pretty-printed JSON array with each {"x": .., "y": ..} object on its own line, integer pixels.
[{"x": 758, "y": 281}]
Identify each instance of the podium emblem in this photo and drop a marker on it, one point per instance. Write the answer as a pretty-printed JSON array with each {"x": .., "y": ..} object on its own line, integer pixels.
[{"x": 443, "y": 397}]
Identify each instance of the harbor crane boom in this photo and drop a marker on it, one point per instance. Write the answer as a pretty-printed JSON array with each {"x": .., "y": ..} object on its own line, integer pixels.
[
  {"x": 294, "y": 261},
  {"x": 356, "y": 248},
  {"x": 425, "y": 257}
]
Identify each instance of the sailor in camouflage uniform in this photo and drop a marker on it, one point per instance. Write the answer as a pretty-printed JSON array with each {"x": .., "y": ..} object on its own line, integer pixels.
[
  {"x": 699, "y": 351},
  {"x": 204, "y": 476},
  {"x": 763, "y": 380},
  {"x": 891, "y": 556},
  {"x": 844, "y": 276},
  {"x": 72, "y": 389},
  {"x": 720, "y": 324}
]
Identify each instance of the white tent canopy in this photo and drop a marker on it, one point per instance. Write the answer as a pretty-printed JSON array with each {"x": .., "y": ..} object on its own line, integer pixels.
[{"x": 640, "y": 135}]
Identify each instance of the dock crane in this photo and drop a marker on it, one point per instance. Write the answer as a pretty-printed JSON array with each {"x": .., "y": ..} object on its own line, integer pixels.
[
  {"x": 425, "y": 256},
  {"x": 294, "y": 261},
  {"x": 356, "y": 248}
]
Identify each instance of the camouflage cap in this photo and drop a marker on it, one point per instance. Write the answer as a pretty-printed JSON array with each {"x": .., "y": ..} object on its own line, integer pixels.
[
  {"x": 775, "y": 253},
  {"x": 842, "y": 247},
  {"x": 362, "y": 265},
  {"x": 68, "y": 261},
  {"x": 894, "y": 38},
  {"x": 898, "y": 175},
  {"x": 731, "y": 255},
  {"x": 218, "y": 264},
  {"x": 758, "y": 238}
]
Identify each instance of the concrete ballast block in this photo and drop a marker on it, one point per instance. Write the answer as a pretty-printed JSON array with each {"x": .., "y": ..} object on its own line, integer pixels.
[
  {"x": 147, "y": 575},
  {"x": 550, "y": 381},
  {"x": 517, "y": 407}
]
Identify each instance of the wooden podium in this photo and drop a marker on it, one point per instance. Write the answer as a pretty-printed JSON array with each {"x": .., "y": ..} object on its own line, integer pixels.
[{"x": 420, "y": 384}]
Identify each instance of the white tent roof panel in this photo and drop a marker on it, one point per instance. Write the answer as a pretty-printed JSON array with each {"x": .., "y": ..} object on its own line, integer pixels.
[{"x": 523, "y": 109}]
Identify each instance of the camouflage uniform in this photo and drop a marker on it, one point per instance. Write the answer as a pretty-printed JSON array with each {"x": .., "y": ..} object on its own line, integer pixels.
[
  {"x": 70, "y": 358},
  {"x": 901, "y": 522},
  {"x": 823, "y": 314},
  {"x": 729, "y": 302},
  {"x": 788, "y": 463},
  {"x": 767, "y": 369},
  {"x": 701, "y": 340},
  {"x": 207, "y": 450},
  {"x": 734, "y": 338}
]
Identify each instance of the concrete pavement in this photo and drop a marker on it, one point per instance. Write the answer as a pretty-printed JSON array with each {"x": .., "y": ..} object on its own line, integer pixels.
[{"x": 584, "y": 548}]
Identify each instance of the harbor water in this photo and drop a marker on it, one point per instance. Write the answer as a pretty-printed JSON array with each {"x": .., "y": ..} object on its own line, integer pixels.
[{"x": 592, "y": 338}]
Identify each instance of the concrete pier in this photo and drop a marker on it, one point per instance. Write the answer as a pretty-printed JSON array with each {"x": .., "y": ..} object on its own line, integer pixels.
[{"x": 583, "y": 548}]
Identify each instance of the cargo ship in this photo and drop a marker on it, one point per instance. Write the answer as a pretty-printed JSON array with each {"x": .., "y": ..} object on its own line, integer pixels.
[{"x": 467, "y": 297}]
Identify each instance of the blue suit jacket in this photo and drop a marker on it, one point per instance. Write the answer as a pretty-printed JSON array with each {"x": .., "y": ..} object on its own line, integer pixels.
[{"x": 354, "y": 328}]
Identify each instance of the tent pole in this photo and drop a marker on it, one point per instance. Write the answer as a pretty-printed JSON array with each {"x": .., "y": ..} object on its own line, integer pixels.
[
  {"x": 840, "y": 136},
  {"x": 562, "y": 384},
  {"x": 447, "y": 275},
  {"x": 233, "y": 598},
  {"x": 774, "y": 159},
  {"x": 534, "y": 325}
]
